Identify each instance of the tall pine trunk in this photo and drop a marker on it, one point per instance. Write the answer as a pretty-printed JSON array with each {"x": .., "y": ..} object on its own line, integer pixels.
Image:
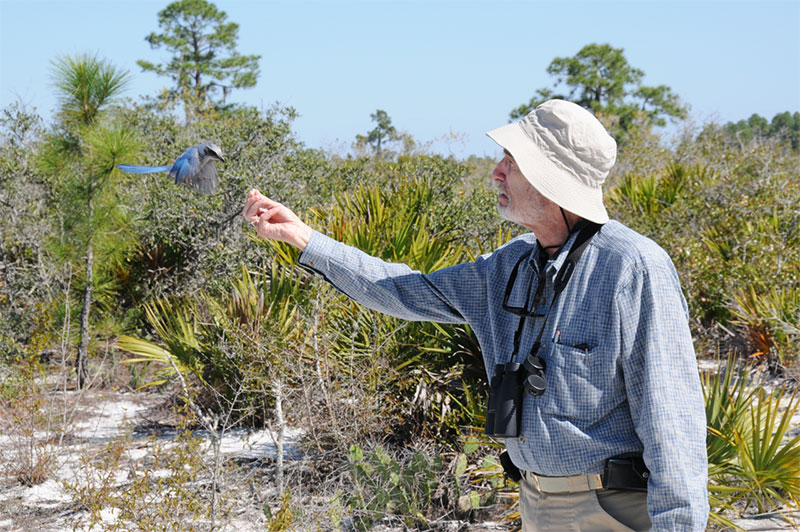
[{"x": 82, "y": 360}]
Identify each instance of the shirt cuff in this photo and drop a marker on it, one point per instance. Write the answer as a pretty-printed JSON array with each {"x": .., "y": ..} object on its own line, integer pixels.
[{"x": 317, "y": 252}]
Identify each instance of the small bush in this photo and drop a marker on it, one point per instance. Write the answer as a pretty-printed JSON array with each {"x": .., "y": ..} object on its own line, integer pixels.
[
  {"x": 752, "y": 460},
  {"x": 383, "y": 486},
  {"x": 167, "y": 491}
]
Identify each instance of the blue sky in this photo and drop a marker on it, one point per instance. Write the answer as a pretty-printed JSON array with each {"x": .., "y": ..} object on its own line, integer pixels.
[{"x": 436, "y": 67}]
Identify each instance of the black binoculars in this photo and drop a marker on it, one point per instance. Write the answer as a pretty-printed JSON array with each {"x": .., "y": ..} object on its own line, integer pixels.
[
  {"x": 535, "y": 384},
  {"x": 510, "y": 381}
]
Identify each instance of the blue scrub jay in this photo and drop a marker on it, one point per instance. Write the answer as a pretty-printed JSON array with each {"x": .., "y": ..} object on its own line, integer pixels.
[{"x": 196, "y": 167}]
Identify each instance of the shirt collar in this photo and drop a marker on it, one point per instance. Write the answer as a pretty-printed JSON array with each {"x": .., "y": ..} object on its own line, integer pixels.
[{"x": 554, "y": 263}]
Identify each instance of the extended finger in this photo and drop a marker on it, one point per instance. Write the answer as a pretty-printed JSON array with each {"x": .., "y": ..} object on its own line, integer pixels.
[
  {"x": 262, "y": 224},
  {"x": 252, "y": 196},
  {"x": 265, "y": 214},
  {"x": 253, "y": 207},
  {"x": 247, "y": 209}
]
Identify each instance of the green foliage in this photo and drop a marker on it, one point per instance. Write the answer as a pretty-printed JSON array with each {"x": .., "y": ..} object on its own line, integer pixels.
[
  {"x": 164, "y": 493},
  {"x": 648, "y": 194},
  {"x": 394, "y": 224},
  {"x": 18, "y": 128},
  {"x": 482, "y": 487},
  {"x": 383, "y": 486},
  {"x": 727, "y": 401},
  {"x": 25, "y": 223},
  {"x": 784, "y": 126},
  {"x": 231, "y": 344},
  {"x": 86, "y": 84},
  {"x": 81, "y": 156},
  {"x": 188, "y": 242},
  {"x": 769, "y": 461},
  {"x": 727, "y": 218},
  {"x": 204, "y": 59},
  {"x": 769, "y": 320},
  {"x": 457, "y": 207},
  {"x": 600, "y": 79},
  {"x": 174, "y": 323},
  {"x": 752, "y": 458},
  {"x": 433, "y": 374},
  {"x": 167, "y": 276},
  {"x": 383, "y": 134},
  {"x": 283, "y": 518},
  {"x": 383, "y": 130}
]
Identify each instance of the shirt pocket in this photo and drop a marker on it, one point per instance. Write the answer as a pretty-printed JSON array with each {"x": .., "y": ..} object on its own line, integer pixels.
[{"x": 582, "y": 383}]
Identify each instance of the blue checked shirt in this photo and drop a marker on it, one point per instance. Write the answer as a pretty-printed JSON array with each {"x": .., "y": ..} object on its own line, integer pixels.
[{"x": 632, "y": 385}]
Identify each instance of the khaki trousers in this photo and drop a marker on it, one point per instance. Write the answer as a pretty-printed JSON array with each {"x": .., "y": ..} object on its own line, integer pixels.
[{"x": 595, "y": 511}]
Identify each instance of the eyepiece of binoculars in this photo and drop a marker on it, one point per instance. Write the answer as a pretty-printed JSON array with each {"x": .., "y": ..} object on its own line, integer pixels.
[
  {"x": 534, "y": 364},
  {"x": 535, "y": 384}
]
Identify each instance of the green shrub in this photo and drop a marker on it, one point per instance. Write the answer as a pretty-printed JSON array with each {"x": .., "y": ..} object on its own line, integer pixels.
[
  {"x": 728, "y": 219},
  {"x": 29, "y": 420},
  {"x": 385, "y": 487},
  {"x": 430, "y": 372},
  {"x": 232, "y": 345},
  {"x": 165, "y": 492},
  {"x": 752, "y": 460}
]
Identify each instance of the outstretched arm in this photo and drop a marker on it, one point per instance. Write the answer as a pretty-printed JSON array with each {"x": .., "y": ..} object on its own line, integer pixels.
[
  {"x": 449, "y": 295},
  {"x": 275, "y": 221}
]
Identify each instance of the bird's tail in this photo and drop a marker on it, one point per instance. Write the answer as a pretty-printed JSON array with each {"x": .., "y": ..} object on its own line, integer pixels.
[{"x": 134, "y": 169}]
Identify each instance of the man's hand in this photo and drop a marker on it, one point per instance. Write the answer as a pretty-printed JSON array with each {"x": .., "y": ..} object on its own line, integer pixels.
[{"x": 275, "y": 221}]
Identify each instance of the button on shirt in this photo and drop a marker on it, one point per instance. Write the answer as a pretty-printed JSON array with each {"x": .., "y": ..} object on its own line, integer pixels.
[{"x": 620, "y": 365}]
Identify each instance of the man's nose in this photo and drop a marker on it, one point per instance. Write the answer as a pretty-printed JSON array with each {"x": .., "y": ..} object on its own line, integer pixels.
[{"x": 499, "y": 173}]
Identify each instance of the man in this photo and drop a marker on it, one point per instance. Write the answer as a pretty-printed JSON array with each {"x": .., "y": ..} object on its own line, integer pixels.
[{"x": 591, "y": 313}]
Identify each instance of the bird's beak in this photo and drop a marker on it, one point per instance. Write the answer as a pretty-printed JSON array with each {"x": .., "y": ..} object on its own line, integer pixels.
[{"x": 221, "y": 158}]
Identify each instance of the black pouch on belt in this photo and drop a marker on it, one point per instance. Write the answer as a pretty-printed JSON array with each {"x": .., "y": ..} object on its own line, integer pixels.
[
  {"x": 509, "y": 468},
  {"x": 626, "y": 473}
]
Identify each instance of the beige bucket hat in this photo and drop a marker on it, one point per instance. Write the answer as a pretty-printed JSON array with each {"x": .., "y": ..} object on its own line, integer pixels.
[{"x": 565, "y": 153}]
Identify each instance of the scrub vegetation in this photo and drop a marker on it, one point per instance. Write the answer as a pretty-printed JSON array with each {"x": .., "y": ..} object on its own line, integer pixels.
[{"x": 113, "y": 282}]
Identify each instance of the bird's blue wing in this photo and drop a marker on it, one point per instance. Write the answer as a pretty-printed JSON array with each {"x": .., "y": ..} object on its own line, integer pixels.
[
  {"x": 136, "y": 169},
  {"x": 186, "y": 165},
  {"x": 197, "y": 168}
]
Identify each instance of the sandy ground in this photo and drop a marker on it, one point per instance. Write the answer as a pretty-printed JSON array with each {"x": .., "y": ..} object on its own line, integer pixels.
[
  {"x": 106, "y": 417},
  {"x": 103, "y": 418}
]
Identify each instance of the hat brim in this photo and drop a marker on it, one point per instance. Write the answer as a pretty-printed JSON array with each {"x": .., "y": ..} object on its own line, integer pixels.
[{"x": 554, "y": 183}]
